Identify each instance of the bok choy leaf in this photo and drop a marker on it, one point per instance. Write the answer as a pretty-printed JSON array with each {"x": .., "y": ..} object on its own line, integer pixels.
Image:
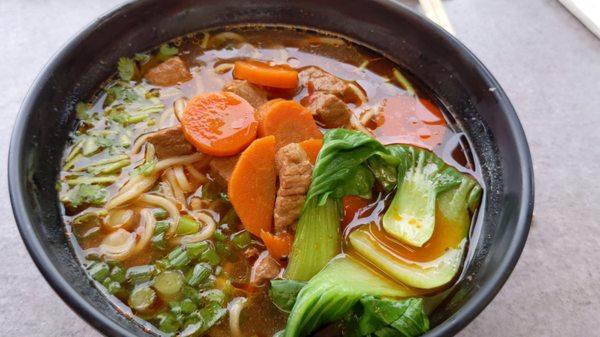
[
  {"x": 283, "y": 293},
  {"x": 333, "y": 292},
  {"x": 376, "y": 317},
  {"x": 338, "y": 163}
]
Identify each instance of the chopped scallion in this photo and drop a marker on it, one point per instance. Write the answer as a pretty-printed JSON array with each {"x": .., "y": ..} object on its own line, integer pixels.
[
  {"x": 223, "y": 249},
  {"x": 140, "y": 274},
  {"x": 161, "y": 226},
  {"x": 99, "y": 271},
  {"x": 219, "y": 236},
  {"x": 187, "y": 225},
  {"x": 142, "y": 298},
  {"x": 118, "y": 274},
  {"x": 188, "y": 306},
  {"x": 178, "y": 257},
  {"x": 196, "y": 249},
  {"x": 241, "y": 239},
  {"x": 211, "y": 257},
  {"x": 159, "y": 241},
  {"x": 167, "y": 322},
  {"x": 114, "y": 287},
  {"x": 198, "y": 275},
  {"x": 160, "y": 214},
  {"x": 169, "y": 284}
]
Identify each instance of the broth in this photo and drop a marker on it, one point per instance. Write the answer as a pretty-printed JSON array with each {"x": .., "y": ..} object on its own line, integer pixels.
[{"x": 392, "y": 115}]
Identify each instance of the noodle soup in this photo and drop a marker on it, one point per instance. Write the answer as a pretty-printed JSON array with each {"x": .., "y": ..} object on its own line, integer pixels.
[{"x": 267, "y": 181}]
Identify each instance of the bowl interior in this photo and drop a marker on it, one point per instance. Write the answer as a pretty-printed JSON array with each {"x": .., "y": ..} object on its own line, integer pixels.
[{"x": 445, "y": 67}]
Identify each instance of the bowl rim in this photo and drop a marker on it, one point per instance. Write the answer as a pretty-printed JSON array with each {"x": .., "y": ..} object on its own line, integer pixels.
[{"x": 452, "y": 325}]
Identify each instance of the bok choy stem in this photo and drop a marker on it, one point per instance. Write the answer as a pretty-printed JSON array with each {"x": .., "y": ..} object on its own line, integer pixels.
[
  {"x": 317, "y": 240},
  {"x": 422, "y": 176}
]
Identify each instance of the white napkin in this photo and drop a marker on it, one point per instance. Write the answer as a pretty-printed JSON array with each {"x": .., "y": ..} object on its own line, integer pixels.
[{"x": 587, "y": 11}]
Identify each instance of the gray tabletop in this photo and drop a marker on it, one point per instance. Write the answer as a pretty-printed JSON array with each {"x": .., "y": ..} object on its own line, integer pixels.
[{"x": 548, "y": 63}]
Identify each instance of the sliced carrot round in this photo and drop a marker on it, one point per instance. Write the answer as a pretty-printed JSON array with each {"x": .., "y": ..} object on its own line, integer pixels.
[
  {"x": 219, "y": 123},
  {"x": 279, "y": 246},
  {"x": 278, "y": 76},
  {"x": 252, "y": 186},
  {"x": 288, "y": 121},
  {"x": 312, "y": 148}
]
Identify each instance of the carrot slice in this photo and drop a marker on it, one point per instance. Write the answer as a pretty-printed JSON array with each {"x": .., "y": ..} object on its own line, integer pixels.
[
  {"x": 251, "y": 187},
  {"x": 288, "y": 121},
  {"x": 312, "y": 148},
  {"x": 279, "y": 76},
  {"x": 352, "y": 205},
  {"x": 279, "y": 246},
  {"x": 219, "y": 123}
]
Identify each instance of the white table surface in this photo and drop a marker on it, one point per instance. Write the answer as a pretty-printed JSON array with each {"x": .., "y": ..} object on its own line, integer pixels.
[{"x": 546, "y": 60}]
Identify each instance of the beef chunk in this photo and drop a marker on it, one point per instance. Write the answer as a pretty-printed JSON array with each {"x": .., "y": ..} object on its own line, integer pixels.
[
  {"x": 295, "y": 171},
  {"x": 265, "y": 268},
  {"x": 254, "y": 94},
  {"x": 222, "y": 167},
  {"x": 331, "y": 111},
  {"x": 251, "y": 253},
  {"x": 170, "y": 142},
  {"x": 168, "y": 73},
  {"x": 318, "y": 80}
]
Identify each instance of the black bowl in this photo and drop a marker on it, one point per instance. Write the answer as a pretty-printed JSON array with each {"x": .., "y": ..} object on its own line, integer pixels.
[{"x": 439, "y": 61}]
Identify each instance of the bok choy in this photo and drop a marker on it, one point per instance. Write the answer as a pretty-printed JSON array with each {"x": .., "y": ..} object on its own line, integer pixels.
[
  {"x": 422, "y": 176},
  {"x": 339, "y": 171},
  {"x": 454, "y": 208},
  {"x": 331, "y": 294}
]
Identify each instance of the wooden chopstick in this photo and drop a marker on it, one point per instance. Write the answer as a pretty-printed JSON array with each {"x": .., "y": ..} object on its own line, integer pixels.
[
  {"x": 587, "y": 11},
  {"x": 434, "y": 10}
]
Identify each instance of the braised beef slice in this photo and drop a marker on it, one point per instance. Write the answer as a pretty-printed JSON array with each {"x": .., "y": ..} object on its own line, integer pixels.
[
  {"x": 328, "y": 109},
  {"x": 265, "y": 268},
  {"x": 318, "y": 80},
  {"x": 295, "y": 171},
  {"x": 170, "y": 142},
  {"x": 254, "y": 94},
  {"x": 222, "y": 167},
  {"x": 168, "y": 73}
]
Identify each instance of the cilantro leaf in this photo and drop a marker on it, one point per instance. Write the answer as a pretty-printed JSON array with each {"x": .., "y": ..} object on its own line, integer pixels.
[
  {"x": 126, "y": 68},
  {"x": 113, "y": 94},
  {"x": 166, "y": 51},
  {"x": 86, "y": 194},
  {"x": 141, "y": 57},
  {"x": 82, "y": 111},
  {"x": 118, "y": 92}
]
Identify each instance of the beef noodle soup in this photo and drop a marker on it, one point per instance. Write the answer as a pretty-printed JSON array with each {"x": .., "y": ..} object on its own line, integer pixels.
[{"x": 268, "y": 181}]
